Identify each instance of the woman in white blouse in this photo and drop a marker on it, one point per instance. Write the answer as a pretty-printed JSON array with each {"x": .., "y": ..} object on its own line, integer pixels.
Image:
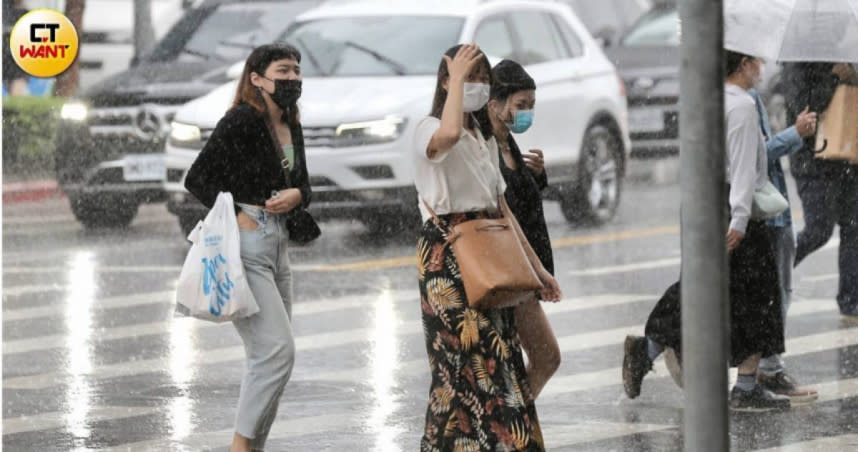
[{"x": 479, "y": 398}]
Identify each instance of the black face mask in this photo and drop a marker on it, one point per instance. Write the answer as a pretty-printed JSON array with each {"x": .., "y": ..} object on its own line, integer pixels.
[{"x": 286, "y": 92}]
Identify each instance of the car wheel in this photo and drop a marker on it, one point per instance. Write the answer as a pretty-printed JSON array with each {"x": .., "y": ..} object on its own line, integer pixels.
[
  {"x": 596, "y": 196},
  {"x": 777, "y": 112},
  {"x": 104, "y": 211}
]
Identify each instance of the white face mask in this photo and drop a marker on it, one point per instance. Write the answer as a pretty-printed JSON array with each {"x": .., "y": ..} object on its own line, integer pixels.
[{"x": 476, "y": 96}]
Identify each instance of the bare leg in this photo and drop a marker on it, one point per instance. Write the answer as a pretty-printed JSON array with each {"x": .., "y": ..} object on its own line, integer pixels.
[
  {"x": 239, "y": 444},
  {"x": 750, "y": 365},
  {"x": 540, "y": 344}
]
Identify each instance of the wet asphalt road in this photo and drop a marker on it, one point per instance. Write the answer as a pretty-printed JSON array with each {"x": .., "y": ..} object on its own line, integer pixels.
[{"x": 94, "y": 358}]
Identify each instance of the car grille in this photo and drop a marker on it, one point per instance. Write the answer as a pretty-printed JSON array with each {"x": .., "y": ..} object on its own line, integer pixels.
[
  {"x": 653, "y": 100},
  {"x": 146, "y": 123},
  {"x": 106, "y": 176}
]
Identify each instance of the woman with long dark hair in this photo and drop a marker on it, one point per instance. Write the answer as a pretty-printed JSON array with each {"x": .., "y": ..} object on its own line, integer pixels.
[
  {"x": 480, "y": 398},
  {"x": 256, "y": 152}
]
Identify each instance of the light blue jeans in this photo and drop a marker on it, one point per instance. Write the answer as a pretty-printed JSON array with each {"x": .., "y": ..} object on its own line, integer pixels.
[
  {"x": 785, "y": 255},
  {"x": 267, "y": 335}
]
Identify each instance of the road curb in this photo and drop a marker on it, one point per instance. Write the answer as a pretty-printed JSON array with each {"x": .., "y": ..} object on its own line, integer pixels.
[{"x": 30, "y": 191}]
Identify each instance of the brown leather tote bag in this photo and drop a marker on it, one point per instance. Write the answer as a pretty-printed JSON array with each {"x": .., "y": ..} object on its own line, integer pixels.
[{"x": 494, "y": 267}]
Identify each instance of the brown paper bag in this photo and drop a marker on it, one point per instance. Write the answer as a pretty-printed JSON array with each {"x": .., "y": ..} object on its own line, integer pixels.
[{"x": 839, "y": 125}]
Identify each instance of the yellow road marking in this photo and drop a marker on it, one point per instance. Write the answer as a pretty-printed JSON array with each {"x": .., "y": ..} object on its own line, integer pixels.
[{"x": 566, "y": 242}]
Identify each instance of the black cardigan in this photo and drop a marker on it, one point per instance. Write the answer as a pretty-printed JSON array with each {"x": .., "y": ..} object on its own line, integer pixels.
[
  {"x": 523, "y": 194},
  {"x": 240, "y": 158}
]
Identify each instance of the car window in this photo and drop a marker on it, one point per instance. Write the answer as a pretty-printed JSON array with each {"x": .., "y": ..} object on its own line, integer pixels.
[
  {"x": 614, "y": 14},
  {"x": 657, "y": 28},
  {"x": 573, "y": 43},
  {"x": 494, "y": 38},
  {"x": 539, "y": 40},
  {"x": 373, "y": 45},
  {"x": 227, "y": 32}
]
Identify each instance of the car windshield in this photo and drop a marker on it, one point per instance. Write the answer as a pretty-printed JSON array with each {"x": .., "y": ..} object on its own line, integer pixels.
[
  {"x": 227, "y": 32},
  {"x": 373, "y": 46},
  {"x": 657, "y": 28}
]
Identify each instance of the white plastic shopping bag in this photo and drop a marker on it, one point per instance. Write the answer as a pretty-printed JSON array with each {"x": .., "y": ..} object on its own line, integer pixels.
[{"x": 212, "y": 285}]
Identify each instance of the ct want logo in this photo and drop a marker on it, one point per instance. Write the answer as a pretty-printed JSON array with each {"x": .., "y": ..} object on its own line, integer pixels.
[{"x": 44, "y": 43}]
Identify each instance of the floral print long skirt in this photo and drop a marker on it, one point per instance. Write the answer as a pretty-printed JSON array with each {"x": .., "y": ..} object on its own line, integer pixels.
[{"x": 479, "y": 399}]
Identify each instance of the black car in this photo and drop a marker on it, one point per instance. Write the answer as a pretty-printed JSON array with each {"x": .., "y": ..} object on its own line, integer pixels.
[
  {"x": 647, "y": 57},
  {"x": 110, "y": 141}
]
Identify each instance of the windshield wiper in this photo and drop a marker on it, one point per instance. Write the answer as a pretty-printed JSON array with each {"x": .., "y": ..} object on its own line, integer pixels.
[
  {"x": 202, "y": 54},
  {"x": 242, "y": 45},
  {"x": 397, "y": 67}
]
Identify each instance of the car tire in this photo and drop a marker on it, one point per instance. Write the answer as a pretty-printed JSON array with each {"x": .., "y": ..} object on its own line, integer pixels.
[
  {"x": 95, "y": 212},
  {"x": 596, "y": 195}
]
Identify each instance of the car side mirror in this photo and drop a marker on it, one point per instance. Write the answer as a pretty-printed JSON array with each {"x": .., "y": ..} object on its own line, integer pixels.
[
  {"x": 234, "y": 71},
  {"x": 605, "y": 36}
]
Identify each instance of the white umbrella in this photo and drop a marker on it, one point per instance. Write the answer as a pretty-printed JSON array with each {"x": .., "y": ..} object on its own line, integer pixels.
[{"x": 793, "y": 30}]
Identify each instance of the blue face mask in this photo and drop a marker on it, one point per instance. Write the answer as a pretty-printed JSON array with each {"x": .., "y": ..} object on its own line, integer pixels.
[{"x": 522, "y": 121}]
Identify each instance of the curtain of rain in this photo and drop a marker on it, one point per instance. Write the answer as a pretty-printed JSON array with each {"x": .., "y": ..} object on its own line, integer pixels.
[{"x": 704, "y": 260}]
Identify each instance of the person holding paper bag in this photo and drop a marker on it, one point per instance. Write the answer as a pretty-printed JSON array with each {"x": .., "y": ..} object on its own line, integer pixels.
[{"x": 828, "y": 187}]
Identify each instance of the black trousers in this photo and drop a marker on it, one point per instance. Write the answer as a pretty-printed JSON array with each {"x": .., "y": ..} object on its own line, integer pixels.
[
  {"x": 756, "y": 324},
  {"x": 826, "y": 202}
]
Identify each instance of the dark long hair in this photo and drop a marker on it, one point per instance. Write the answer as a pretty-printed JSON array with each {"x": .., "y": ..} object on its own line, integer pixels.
[
  {"x": 482, "y": 115},
  {"x": 258, "y": 62}
]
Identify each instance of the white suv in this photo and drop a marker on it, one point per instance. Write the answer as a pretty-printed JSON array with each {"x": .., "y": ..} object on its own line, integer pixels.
[{"x": 369, "y": 71}]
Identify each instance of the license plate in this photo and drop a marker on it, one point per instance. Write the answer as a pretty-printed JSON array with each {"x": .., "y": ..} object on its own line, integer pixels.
[
  {"x": 144, "y": 168},
  {"x": 646, "y": 120}
]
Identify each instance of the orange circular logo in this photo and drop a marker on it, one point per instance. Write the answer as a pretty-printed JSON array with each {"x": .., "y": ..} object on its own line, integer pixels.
[{"x": 44, "y": 43}]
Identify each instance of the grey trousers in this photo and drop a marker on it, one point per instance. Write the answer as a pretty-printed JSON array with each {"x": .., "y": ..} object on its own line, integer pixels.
[
  {"x": 784, "y": 241},
  {"x": 267, "y": 335}
]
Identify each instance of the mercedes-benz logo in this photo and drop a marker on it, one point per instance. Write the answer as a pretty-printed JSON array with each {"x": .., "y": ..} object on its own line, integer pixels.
[{"x": 149, "y": 124}]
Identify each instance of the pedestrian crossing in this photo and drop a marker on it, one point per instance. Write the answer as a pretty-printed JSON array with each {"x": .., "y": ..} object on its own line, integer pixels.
[{"x": 406, "y": 370}]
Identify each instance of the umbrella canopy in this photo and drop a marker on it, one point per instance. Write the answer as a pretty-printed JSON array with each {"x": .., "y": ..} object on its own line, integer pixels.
[{"x": 793, "y": 30}]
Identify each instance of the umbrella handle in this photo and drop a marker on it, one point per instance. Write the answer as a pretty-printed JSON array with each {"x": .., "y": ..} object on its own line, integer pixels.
[{"x": 824, "y": 146}]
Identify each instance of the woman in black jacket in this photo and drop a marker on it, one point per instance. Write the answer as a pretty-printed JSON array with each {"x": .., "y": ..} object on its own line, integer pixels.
[
  {"x": 513, "y": 95},
  {"x": 256, "y": 152}
]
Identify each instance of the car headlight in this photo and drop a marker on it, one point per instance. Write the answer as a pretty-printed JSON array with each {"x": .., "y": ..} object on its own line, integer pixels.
[
  {"x": 184, "y": 134},
  {"x": 369, "y": 132},
  {"x": 74, "y": 111}
]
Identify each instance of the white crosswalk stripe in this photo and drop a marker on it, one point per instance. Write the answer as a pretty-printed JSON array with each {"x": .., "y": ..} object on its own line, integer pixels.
[
  {"x": 314, "y": 342},
  {"x": 557, "y": 435},
  {"x": 845, "y": 442},
  {"x": 56, "y": 419},
  {"x": 306, "y": 308}
]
